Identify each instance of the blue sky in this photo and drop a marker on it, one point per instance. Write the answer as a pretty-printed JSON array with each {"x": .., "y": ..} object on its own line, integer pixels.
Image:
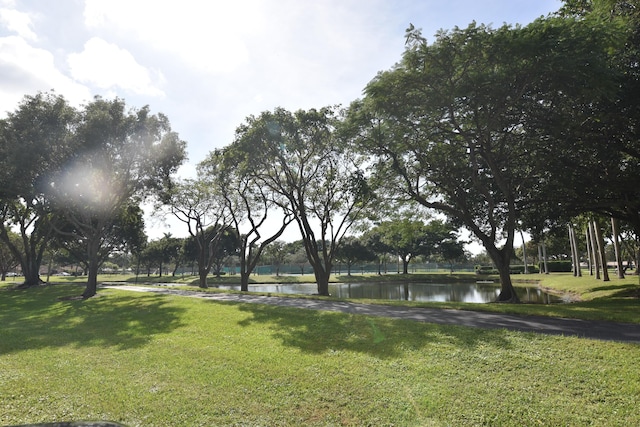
[{"x": 208, "y": 65}]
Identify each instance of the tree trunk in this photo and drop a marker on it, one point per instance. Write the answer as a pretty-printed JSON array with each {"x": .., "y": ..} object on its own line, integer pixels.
[
  {"x": 245, "y": 271},
  {"x": 573, "y": 251},
  {"x": 616, "y": 245},
  {"x": 575, "y": 258},
  {"x": 322, "y": 279},
  {"x": 601, "y": 250},
  {"x": 92, "y": 283},
  {"x": 594, "y": 252},
  {"x": 575, "y": 244},
  {"x": 244, "y": 280},
  {"x": 405, "y": 265},
  {"x": 541, "y": 267},
  {"x": 31, "y": 273},
  {"x": 203, "y": 269},
  {"x": 93, "y": 247},
  {"x": 589, "y": 250},
  {"x": 203, "y": 272},
  {"x": 524, "y": 254},
  {"x": 544, "y": 258},
  {"x": 501, "y": 258}
]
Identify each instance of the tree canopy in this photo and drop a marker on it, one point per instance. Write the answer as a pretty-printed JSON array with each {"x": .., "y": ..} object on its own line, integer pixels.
[
  {"x": 81, "y": 173},
  {"x": 317, "y": 176},
  {"x": 466, "y": 125}
]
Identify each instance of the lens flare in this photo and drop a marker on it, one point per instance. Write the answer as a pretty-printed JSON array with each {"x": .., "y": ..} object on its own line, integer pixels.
[{"x": 88, "y": 187}]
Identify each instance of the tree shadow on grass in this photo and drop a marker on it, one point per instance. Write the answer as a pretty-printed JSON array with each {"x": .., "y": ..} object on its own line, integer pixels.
[
  {"x": 318, "y": 332},
  {"x": 42, "y": 317},
  {"x": 626, "y": 289}
]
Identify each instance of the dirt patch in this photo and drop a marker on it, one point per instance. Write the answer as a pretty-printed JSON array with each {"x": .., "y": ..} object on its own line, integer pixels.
[{"x": 568, "y": 297}]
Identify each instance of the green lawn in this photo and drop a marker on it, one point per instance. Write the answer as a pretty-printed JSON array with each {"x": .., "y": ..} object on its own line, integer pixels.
[{"x": 152, "y": 360}]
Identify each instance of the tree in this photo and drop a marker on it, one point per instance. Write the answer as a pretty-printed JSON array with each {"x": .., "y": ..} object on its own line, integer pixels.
[
  {"x": 373, "y": 239},
  {"x": 275, "y": 254},
  {"x": 352, "y": 250},
  {"x": 300, "y": 157},
  {"x": 297, "y": 255},
  {"x": 615, "y": 232},
  {"x": 249, "y": 204},
  {"x": 121, "y": 156},
  {"x": 35, "y": 142},
  {"x": 449, "y": 248},
  {"x": 462, "y": 125},
  {"x": 124, "y": 233},
  {"x": 161, "y": 252},
  {"x": 225, "y": 249},
  {"x": 202, "y": 208},
  {"x": 406, "y": 239}
]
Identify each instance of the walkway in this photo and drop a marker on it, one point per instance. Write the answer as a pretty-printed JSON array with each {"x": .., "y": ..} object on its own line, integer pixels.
[{"x": 608, "y": 331}]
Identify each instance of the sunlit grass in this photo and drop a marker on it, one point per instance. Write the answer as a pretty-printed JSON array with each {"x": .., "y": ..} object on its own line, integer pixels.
[{"x": 151, "y": 360}]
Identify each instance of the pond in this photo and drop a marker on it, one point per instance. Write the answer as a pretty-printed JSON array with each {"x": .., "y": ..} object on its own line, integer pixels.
[{"x": 474, "y": 292}]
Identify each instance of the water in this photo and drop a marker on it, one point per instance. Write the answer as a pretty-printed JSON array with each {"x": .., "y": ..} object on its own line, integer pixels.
[{"x": 421, "y": 292}]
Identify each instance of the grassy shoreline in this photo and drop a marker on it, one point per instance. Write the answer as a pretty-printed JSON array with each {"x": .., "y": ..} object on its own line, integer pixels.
[{"x": 617, "y": 300}]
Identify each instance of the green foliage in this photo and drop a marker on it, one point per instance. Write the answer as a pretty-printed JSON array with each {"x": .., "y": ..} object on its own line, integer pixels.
[
  {"x": 558, "y": 266},
  {"x": 82, "y": 173},
  {"x": 35, "y": 142},
  {"x": 482, "y": 123},
  {"x": 314, "y": 175},
  {"x": 351, "y": 251}
]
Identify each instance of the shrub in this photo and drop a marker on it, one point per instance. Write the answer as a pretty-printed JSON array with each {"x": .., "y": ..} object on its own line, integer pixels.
[{"x": 564, "y": 266}]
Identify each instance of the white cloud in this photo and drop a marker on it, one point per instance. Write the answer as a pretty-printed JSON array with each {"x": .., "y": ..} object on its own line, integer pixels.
[
  {"x": 209, "y": 36},
  {"x": 26, "y": 70},
  {"x": 107, "y": 66},
  {"x": 17, "y": 22}
]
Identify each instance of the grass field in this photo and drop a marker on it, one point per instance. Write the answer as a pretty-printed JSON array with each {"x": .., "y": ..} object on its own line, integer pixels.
[{"x": 150, "y": 360}]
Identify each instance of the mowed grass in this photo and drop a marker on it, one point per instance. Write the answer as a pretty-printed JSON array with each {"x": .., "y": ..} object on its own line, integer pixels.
[{"x": 159, "y": 360}]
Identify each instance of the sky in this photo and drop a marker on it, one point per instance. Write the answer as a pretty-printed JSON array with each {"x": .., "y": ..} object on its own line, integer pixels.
[{"x": 207, "y": 65}]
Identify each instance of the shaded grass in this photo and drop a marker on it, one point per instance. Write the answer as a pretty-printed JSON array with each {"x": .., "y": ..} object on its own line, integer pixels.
[{"x": 150, "y": 360}]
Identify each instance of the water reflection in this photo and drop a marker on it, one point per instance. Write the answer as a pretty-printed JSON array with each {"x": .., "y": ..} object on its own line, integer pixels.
[{"x": 421, "y": 292}]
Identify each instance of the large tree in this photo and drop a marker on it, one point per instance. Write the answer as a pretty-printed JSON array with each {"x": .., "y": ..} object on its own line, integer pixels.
[
  {"x": 124, "y": 233},
  {"x": 462, "y": 125},
  {"x": 35, "y": 141},
  {"x": 121, "y": 157},
  {"x": 319, "y": 178},
  {"x": 202, "y": 208},
  {"x": 249, "y": 204}
]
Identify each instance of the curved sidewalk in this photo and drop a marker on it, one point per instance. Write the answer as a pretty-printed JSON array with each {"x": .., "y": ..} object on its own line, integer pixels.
[{"x": 608, "y": 331}]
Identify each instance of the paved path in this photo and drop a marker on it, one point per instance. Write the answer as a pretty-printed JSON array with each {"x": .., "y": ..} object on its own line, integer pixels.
[{"x": 609, "y": 331}]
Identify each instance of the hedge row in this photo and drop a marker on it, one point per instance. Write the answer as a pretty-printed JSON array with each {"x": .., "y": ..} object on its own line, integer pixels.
[{"x": 513, "y": 269}]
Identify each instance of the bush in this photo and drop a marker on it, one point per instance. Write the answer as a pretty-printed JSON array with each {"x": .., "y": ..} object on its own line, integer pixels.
[
  {"x": 558, "y": 266},
  {"x": 484, "y": 269},
  {"x": 513, "y": 269},
  {"x": 519, "y": 269}
]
